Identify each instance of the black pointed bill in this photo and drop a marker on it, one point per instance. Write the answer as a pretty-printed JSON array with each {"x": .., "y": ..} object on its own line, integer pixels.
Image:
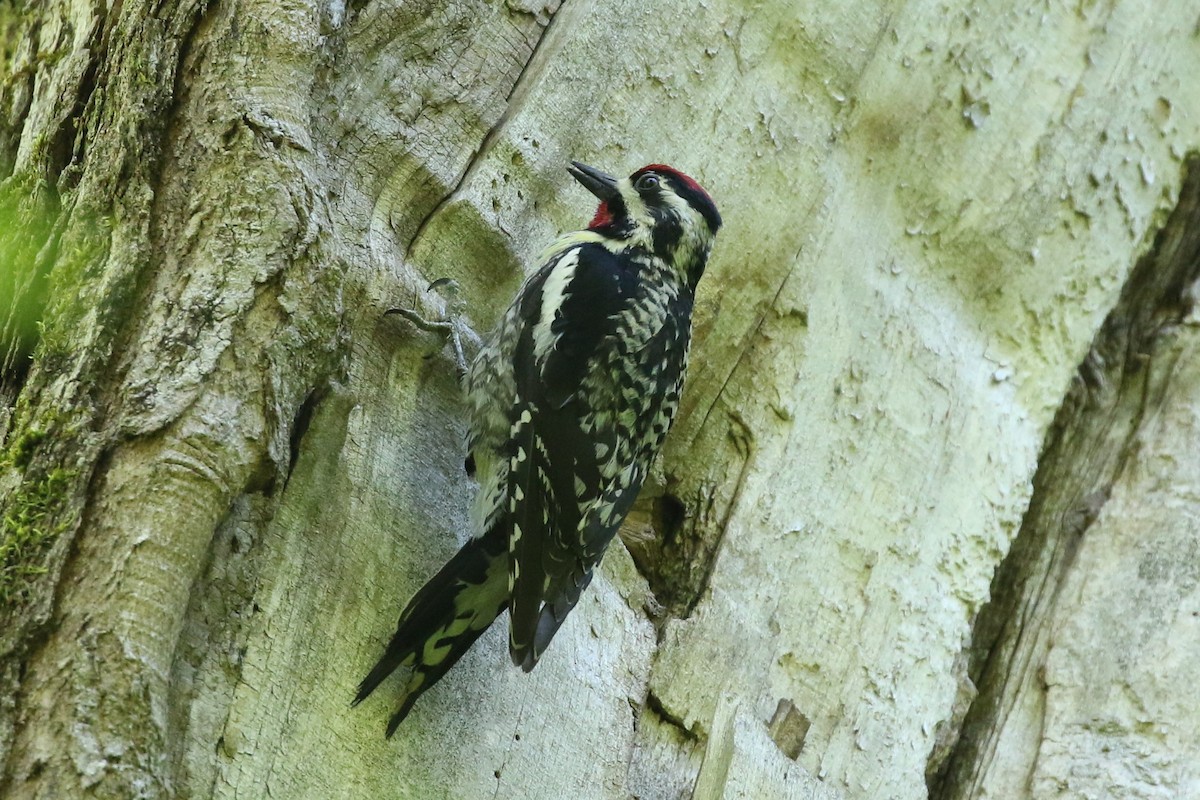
[{"x": 601, "y": 184}]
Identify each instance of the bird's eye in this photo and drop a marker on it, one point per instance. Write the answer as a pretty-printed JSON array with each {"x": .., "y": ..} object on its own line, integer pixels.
[{"x": 646, "y": 182}]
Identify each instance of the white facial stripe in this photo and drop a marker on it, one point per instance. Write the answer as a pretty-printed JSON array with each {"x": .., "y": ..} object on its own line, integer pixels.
[
  {"x": 635, "y": 209},
  {"x": 554, "y": 292},
  {"x": 682, "y": 208},
  {"x": 696, "y": 234}
]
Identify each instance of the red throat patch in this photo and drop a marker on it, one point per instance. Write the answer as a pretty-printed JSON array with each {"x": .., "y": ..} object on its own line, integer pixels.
[{"x": 603, "y": 216}]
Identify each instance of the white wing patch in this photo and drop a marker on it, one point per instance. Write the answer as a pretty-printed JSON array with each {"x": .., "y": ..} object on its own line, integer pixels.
[{"x": 554, "y": 293}]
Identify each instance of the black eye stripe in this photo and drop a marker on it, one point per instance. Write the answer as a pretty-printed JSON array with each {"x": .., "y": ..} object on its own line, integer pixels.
[{"x": 701, "y": 202}]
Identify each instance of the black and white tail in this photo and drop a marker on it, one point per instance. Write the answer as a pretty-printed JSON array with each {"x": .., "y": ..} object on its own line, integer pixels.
[{"x": 444, "y": 619}]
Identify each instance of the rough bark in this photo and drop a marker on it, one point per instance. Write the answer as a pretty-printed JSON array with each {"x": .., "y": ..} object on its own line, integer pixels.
[
  {"x": 926, "y": 526},
  {"x": 1091, "y": 628}
]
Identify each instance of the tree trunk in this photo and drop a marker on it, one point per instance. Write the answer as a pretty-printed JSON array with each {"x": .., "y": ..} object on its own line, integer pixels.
[{"x": 928, "y": 525}]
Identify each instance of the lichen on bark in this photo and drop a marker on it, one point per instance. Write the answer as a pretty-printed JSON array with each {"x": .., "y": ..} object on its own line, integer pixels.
[{"x": 238, "y": 468}]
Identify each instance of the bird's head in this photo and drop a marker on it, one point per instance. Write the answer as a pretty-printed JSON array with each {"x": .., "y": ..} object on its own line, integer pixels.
[{"x": 657, "y": 208}]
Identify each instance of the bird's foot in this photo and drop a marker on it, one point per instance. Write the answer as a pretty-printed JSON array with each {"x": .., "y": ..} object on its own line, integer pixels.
[{"x": 452, "y": 328}]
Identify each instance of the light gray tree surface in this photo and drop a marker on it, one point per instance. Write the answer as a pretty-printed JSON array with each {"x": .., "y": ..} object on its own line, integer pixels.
[{"x": 929, "y": 522}]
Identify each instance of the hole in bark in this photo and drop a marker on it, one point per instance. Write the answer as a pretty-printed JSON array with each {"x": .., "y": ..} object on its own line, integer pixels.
[
  {"x": 671, "y": 514},
  {"x": 673, "y": 546},
  {"x": 300, "y": 422}
]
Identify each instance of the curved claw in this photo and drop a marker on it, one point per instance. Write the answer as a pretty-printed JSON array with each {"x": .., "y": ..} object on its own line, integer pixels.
[
  {"x": 444, "y": 328},
  {"x": 448, "y": 283}
]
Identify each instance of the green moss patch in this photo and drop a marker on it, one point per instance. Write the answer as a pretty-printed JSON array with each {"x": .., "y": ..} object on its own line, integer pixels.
[{"x": 31, "y": 522}]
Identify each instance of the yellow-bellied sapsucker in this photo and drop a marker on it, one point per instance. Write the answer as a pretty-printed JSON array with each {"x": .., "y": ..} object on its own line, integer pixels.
[{"x": 570, "y": 399}]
